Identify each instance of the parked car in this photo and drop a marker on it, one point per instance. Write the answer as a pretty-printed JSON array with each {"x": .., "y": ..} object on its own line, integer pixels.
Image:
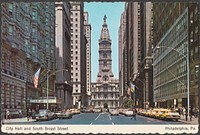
[
  {"x": 154, "y": 112},
  {"x": 170, "y": 115},
  {"x": 114, "y": 112},
  {"x": 97, "y": 110},
  {"x": 57, "y": 114},
  {"x": 44, "y": 114},
  {"x": 142, "y": 112},
  {"x": 129, "y": 113},
  {"x": 65, "y": 115},
  {"x": 14, "y": 114}
]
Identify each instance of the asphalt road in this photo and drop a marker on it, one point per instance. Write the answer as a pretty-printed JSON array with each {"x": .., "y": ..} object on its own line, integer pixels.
[{"x": 104, "y": 119}]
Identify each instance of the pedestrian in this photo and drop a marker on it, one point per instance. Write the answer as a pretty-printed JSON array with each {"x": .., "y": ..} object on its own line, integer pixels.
[
  {"x": 134, "y": 113},
  {"x": 7, "y": 114},
  {"x": 20, "y": 113},
  {"x": 29, "y": 114},
  {"x": 184, "y": 112},
  {"x": 191, "y": 113}
]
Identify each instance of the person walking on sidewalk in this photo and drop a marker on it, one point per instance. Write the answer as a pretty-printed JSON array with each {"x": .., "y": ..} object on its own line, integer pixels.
[
  {"x": 29, "y": 114},
  {"x": 7, "y": 114},
  {"x": 191, "y": 113}
]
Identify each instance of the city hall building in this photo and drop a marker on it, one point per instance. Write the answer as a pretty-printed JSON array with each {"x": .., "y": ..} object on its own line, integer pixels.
[{"x": 105, "y": 92}]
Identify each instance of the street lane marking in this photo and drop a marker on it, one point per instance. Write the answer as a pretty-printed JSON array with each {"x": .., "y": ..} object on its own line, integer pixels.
[
  {"x": 91, "y": 123},
  {"x": 109, "y": 117},
  {"x": 98, "y": 116},
  {"x": 113, "y": 123}
]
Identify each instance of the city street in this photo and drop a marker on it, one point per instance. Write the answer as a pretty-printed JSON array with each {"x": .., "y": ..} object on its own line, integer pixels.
[{"x": 101, "y": 119}]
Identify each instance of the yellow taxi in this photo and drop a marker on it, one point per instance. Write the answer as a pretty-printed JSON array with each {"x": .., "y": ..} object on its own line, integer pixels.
[
  {"x": 154, "y": 112},
  {"x": 170, "y": 115}
]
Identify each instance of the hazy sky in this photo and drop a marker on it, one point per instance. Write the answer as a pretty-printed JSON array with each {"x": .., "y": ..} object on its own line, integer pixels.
[{"x": 96, "y": 11}]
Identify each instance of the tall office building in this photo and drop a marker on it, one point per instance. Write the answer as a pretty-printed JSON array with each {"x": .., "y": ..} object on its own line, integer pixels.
[
  {"x": 105, "y": 92},
  {"x": 145, "y": 72},
  {"x": 78, "y": 54},
  {"x": 63, "y": 53},
  {"x": 176, "y": 28},
  {"x": 87, "y": 31},
  {"x": 24, "y": 50},
  {"x": 133, "y": 47},
  {"x": 121, "y": 44}
]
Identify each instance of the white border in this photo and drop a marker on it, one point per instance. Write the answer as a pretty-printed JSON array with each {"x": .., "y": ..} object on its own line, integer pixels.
[{"x": 123, "y": 129}]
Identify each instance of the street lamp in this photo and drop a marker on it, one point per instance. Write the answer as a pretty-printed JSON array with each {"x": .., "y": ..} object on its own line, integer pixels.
[
  {"x": 188, "y": 73},
  {"x": 48, "y": 83}
]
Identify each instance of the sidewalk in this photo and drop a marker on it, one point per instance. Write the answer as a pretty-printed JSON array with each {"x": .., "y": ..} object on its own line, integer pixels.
[
  {"x": 17, "y": 120},
  {"x": 194, "y": 121}
]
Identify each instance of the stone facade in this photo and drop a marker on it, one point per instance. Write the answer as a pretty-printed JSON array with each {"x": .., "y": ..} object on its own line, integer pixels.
[
  {"x": 78, "y": 54},
  {"x": 105, "y": 92},
  {"x": 24, "y": 51},
  {"x": 63, "y": 54}
]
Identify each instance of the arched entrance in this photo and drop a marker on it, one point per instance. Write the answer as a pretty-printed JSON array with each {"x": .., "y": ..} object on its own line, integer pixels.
[{"x": 105, "y": 105}]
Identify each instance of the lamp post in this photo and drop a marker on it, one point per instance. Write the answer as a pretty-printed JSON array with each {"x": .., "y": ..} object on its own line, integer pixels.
[
  {"x": 188, "y": 73},
  {"x": 48, "y": 83}
]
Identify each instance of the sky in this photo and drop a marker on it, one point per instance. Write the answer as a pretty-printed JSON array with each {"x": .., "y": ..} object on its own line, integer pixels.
[{"x": 96, "y": 11}]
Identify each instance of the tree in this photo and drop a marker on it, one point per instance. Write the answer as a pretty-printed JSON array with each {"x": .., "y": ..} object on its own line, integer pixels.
[{"x": 128, "y": 102}]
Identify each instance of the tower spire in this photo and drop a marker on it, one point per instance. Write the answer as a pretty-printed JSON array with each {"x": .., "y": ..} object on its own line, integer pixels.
[{"x": 104, "y": 18}]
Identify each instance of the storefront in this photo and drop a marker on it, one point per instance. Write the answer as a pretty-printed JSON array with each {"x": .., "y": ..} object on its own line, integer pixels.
[{"x": 54, "y": 103}]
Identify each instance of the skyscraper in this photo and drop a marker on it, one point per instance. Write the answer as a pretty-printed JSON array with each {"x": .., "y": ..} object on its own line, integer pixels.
[
  {"x": 78, "y": 54},
  {"x": 175, "y": 40},
  {"x": 87, "y": 31},
  {"x": 121, "y": 46},
  {"x": 63, "y": 53}
]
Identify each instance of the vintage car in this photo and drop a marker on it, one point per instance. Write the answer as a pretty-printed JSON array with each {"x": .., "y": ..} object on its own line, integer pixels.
[
  {"x": 129, "y": 113},
  {"x": 44, "y": 114},
  {"x": 114, "y": 112},
  {"x": 65, "y": 115},
  {"x": 170, "y": 115}
]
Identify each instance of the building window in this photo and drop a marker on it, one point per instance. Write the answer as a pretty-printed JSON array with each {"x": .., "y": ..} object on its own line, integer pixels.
[
  {"x": 76, "y": 52},
  {"x": 10, "y": 29},
  {"x": 76, "y": 63},
  {"x": 105, "y": 64},
  {"x": 105, "y": 55},
  {"x": 33, "y": 15},
  {"x": 10, "y": 9}
]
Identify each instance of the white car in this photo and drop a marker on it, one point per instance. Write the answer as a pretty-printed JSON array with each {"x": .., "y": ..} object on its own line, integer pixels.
[
  {"x": 129, "y": 113},
  {"x": 114, "y": 112},
  {"x": 44, "y": 114}
]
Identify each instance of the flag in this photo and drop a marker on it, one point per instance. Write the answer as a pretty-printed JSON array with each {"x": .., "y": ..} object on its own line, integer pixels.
[
  {"x": 36, "y": 77},
  {"x": 132, "y": 87},
  {"x": 129, "y": 91}
]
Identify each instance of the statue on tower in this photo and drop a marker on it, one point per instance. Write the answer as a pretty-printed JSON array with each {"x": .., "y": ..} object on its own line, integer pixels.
[{"x": 104, "y": 18}]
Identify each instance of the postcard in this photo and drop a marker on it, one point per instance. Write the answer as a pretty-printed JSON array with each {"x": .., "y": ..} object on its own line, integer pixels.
[{"x": 100, "y": 67}]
